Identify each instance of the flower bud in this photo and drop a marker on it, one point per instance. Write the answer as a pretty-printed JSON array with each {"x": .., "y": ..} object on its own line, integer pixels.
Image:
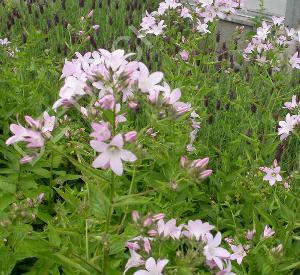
[
  {"x": 90, "y": 14},
  {"x": 133, "y": 105},
  {"x": 130, "y": 136},
  {"x": 132, "y": 246},
  {"x": 135, "y": 216},
  {"x": 200, "y": 163},
  {"x": 183, "y": 161},
  {"x": 26, "y": 159},
  {"x": 250, "y": 234},
  {"x": 158, "y": 217},
  {"x": 152, "y": 233},
  {"x": 205, "y": 174},
  {"x": 184, "y": 55},
  {"x": 148, "y": 222}
]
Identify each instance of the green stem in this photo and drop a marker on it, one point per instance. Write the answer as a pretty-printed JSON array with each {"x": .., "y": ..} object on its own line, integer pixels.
[
  {"x": 129, "y": 193},
  {"x": 106, "y": 245}
]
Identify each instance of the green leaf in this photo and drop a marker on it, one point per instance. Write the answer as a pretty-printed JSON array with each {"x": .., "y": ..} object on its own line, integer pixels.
[
  {"x": 99, "y": 203},
  {"x": 70, "y": 263}
]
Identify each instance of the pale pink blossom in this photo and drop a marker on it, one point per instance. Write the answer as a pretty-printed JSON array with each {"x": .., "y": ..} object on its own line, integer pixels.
[
  {"x": 238, "y": 253},
  {"x": 293, "y": 104},
  {"x": 169, "y": 229},
  {"x": 202, "y": 28},
  {"x": 227, "y": 270},
  {"x": 184, "y": 55},
  {"x": 212, "y": 251},
  {"x": 278, "y": 20},
  {"x": 250, "y": 234},
  {"x": 198, "y": 229},
  {"x": 287, "y": 126},
  {"x": 153, "y": 267},
  {"x": 272, "y": 174},
  {"x": 101, "y": 131},
  {"x": 135, "y": 260},
  {"x": 148, "y": 83},
  {"x": 170, "y": 97},
  {"x": 295, "y": 61},
  {"x": 268, "y": 232},
  {"x": 112, "y": 154}
]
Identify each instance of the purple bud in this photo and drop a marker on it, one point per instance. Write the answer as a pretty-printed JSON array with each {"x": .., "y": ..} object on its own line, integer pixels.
[
  {"x": 205, "y": 174},
  {"x": 130, "y": 136}
]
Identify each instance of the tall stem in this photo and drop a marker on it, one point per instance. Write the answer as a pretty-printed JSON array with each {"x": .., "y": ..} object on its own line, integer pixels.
[{"x": 106, "y": 246}]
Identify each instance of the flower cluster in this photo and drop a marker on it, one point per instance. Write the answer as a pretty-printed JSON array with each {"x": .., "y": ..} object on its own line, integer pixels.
[
  {"x": 291, "y": 121},
  {"x": 199, "y": 14},
  {"x": 269, "y": 43},
  {"x": 114, "y": 86},
  {"x": 196, "y": 232},
  {"x": 197, "y": 167},
  {"x": 35, "y": 136}
]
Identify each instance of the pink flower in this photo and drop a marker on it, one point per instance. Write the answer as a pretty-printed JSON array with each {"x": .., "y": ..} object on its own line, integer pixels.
[
  {"x": 116, "y": 59},
  {"x": 183, "y": 161},
  {"x": 148, "y": 83},
  {"x": 27, "y": 159},
  {"x": 73, "y": 87},
  {"x": 134, "y": 261},
  {"x": 272, "y": 174},
  {"x": 268, "y": 232},
  {"x": 293, "y": 104},
  {"x": 48, "y": 123},
  {"x": 227, "y": 270},
  {"x": 181, "y": 107},
  {"x": 157, "y": 29},
  {"x": 185, "y": 13},
  {"x": 135, "y": 216},
  {"x": 132, "y": 246},
  {"x": 112, "y": 154},
  {"x": 200, "y": 163},
  {"x": 198, "y": 229},
  {"x": 90, "y": 14},
  {"x": 101, "y": 131},
  {"x": 250, "y": 234},
  {"x": 95, "y": 27},
  {"x": 33, "y": 138},
  {"x": 278, "y": 20},
  {"x": 287, "y": 126},
  {"x": 184, "y": 55},
  {"x": 170, "y": 97},
  {"x": 295, "y": 61},
  {"x": 212, "y": 251},
  {"x": 169, "y": 229},
  {"x": 153, "y": 268},
  {"x": 159, "y": 216},
  {"x": 107, "y": 102},
  {"x": 205, "y": 174},
  {"x": 202, "y": 28},
  {"x": 130, "y": 136},
  {"x": 238, "y": 253},
  {"x": 278, "y": 249}
]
